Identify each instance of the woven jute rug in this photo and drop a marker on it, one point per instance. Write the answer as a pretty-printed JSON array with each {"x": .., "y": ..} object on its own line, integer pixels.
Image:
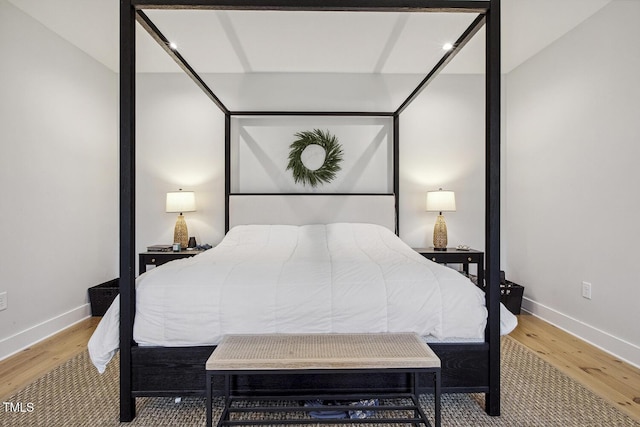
[{"x": 533, "y": 394}]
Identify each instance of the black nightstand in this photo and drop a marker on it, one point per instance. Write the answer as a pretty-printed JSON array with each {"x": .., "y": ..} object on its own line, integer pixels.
[
  {"x": 159, "y": 258},
  {"x": 456, "y": 256}
]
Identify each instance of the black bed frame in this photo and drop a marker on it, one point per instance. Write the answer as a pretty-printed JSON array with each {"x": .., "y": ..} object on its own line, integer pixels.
[{"x": 161, "y": 371}]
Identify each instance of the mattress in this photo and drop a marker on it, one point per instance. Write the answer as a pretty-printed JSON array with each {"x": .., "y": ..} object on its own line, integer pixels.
[{"x": 334, "y": 278}]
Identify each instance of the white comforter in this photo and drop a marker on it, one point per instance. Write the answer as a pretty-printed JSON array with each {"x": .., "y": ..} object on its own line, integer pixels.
[{"x": 307, "y": 279}]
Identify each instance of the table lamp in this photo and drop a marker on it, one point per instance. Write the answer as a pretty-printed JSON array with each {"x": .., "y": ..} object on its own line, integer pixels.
[
  {"x": 440, "y": 201},
  {"x": 181, "y": 201}
]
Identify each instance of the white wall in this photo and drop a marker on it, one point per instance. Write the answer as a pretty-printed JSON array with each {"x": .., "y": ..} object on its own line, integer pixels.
[
  {"x": 442, "y": 145},
  {"x": 59, "y": 174},
  {"x": 180, "y": 144},
  {"x": 573, "y": 147}
]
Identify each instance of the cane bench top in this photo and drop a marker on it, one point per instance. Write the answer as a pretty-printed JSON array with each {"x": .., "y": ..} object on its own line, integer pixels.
[{"x": 322, "y": 351}]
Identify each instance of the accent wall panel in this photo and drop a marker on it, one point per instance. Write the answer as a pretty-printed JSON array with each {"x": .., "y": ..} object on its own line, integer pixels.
[{"x": 260, "y": 148}]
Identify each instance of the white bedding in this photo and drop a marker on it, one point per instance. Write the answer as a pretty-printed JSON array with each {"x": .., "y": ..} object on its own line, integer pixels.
[{"x": 299, "y": 279}]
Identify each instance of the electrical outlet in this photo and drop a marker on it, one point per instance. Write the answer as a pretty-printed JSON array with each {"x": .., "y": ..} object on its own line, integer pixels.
[
  {"x": 3, "y": 301},
  {"x": 586, "y": 290}
]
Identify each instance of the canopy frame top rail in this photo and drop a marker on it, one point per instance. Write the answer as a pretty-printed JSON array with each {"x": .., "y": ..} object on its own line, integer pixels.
[{"x": 447, "y": 6}]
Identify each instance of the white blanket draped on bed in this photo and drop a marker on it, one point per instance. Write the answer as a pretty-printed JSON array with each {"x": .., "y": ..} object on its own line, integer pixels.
[{"x": 307, "y": 279}]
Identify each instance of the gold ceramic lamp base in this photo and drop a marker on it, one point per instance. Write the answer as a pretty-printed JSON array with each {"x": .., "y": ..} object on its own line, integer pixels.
[
  {"x": 440, "y": 234},
  {"x": 180, "y": 233}
]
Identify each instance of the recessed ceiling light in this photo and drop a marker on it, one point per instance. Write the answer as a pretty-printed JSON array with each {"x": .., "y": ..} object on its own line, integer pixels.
[
  {"x": 173, "y": 46},
  {"x": 447, "y": 46}
]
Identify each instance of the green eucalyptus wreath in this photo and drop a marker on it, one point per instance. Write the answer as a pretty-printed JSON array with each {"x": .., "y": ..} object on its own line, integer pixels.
[{"x": 331, "y": 165}]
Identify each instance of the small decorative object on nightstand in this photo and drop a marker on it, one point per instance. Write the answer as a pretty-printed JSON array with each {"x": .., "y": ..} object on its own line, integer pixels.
[
  {"x": 440, "y": 201},
  {"x": 179, "y": 202},
  {"x": 192, "y": 242}
]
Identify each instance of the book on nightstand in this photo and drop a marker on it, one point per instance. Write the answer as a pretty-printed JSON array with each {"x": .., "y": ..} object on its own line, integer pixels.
[{"x": 160, "y": 248}]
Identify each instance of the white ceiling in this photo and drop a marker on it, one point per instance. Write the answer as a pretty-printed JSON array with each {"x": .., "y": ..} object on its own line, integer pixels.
[
  {"x": 307, "y": 42},
  {"x": 234, "y": 50}
]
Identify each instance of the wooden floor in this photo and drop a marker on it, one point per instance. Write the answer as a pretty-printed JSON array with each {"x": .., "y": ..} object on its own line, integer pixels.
[
  {"x": 613, "y": 380},
  {"x": 23, "y": 368}
]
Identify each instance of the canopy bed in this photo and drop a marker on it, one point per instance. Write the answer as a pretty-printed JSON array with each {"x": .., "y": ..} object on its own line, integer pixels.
[{"x": 159, "y": 370}]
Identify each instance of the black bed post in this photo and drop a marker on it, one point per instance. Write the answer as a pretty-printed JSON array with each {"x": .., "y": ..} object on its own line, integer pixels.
[
  {"x": 127, "y": 204},
  {"x": 396, "y": 167},
  {"x": 492, "y": 217},
  {"x": 227, "y": 169}
]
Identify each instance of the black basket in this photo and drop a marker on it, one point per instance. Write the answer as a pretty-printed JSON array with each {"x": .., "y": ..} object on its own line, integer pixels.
[
  {"x": 510, "y": 293},
  {"x": 511, "y": 296},
  {"x": 102, "y": 295}
]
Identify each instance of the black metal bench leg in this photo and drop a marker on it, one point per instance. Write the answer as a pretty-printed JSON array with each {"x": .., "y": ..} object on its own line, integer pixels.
[
  {"x": 436, "y": 397},
  {"x": 227, "y": 401},
  {"x": 418, "y": 412},
  {"x": 209, "y": 401}
]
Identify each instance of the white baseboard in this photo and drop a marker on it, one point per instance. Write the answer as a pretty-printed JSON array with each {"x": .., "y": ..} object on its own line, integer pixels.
[
  {"x": 24, "y": 339},
  {"x": 615, "y": 346}
]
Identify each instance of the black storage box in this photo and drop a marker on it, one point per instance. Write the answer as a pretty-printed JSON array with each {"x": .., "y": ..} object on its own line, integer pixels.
[
  {"x": 511, "y": 296},
  {"x": 510, "y": 293},
  {"x": 102, "y": 295}
]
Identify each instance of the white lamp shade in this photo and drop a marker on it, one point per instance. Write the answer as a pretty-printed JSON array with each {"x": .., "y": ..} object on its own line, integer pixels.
[
  {"x": 441, "y": 201},
  {"x": 181, "y": 201}
]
